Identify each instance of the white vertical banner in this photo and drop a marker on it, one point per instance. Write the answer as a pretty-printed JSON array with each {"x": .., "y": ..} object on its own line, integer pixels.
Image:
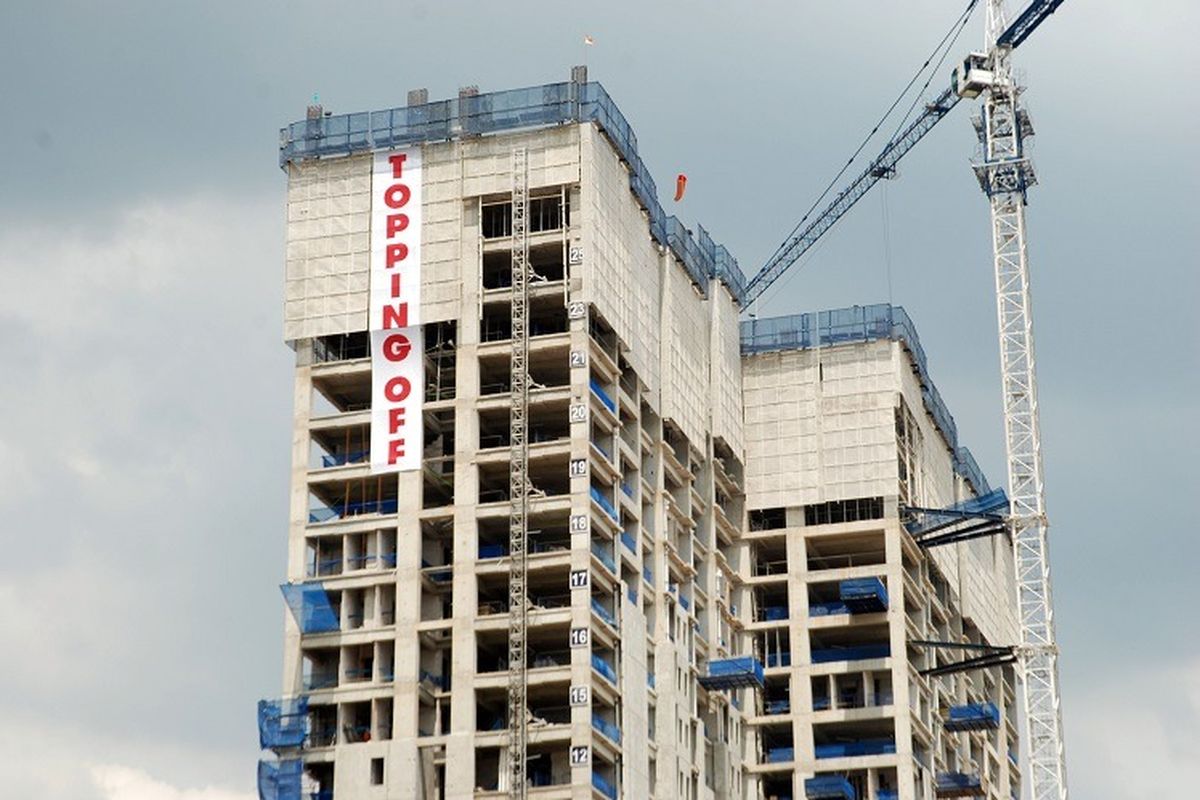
[{"x": 394, "y": 312}]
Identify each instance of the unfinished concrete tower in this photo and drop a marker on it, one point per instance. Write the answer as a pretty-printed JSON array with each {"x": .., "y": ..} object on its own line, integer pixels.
[
  {"x": 484, "y": 294},
  {"x": 880, "y": 577}
]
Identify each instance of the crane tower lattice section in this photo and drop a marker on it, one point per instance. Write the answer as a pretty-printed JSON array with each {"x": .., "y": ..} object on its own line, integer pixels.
[{"x": 1005, "y": 173}]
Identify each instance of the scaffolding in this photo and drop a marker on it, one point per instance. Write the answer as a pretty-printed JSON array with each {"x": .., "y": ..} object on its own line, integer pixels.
[{"x": 518, "y": 522}]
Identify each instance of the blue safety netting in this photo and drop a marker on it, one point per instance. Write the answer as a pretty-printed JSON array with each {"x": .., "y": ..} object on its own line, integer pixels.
[
  {"x": 506, "y": 112},
  {"x": 604, "y": 668},
  {"x": 342, "y": 510},
  {"x": 601, "y": 552},
  {"x": 863, "y": 747},
  {"x": 311, "y": 607},
  {"x": 973, "y": 717},
  {"x": 829, "y": 787},
  {"x": 863, "y": 324},
  {"x": 777, "y": 755},
  {"x": 965, "y": 465},
  {"x": 860, "y": 652},
  {"x": 779, "y": 659},
  {"x": 280, "y": 780},
  {"x": 607, "y": 728},
  {"x": 775, "y": 613},
  {"x": 604, "y": 786},
  {"x": 603, "y": 502},
  {"x": 863, "y": 595},
  {"x": 958, "y": 784},
  {"x": 603, "y": 612},
  {"x": 730, "y": 673},
  {"x": 282, "y": 723},
  {"x": 830, "y": 609},
  {"x": 602, "y": 395},
  {"x": 993, "y": 503}
]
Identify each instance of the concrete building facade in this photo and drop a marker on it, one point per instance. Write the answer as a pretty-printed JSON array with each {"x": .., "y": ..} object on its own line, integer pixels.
[{"x": 700, "y": 489}]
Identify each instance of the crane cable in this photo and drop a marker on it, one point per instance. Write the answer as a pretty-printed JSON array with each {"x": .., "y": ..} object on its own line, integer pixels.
[{"x": 943, "y": 47}]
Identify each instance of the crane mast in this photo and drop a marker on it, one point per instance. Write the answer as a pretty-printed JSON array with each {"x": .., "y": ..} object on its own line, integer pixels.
[{"x": 1005, "y": 173}]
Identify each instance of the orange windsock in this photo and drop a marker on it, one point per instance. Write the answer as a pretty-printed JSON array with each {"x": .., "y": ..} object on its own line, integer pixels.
[{"x": 680, "y": 186}]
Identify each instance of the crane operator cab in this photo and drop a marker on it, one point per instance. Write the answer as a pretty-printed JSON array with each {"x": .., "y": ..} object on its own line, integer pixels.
[{"x": 973, "y": 75}]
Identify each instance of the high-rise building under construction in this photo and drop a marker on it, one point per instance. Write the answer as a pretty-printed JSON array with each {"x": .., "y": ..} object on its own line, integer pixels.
[{"x": 754, "y": 559}]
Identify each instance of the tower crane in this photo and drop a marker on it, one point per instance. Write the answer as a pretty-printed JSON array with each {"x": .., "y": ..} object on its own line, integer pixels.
[{"x": 1005, "y": 174}]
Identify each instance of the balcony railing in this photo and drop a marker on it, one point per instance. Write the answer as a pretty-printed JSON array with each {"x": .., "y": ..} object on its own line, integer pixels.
[
  {"x": 605, "y": 557},
  {"x": 341, "y": 459},
  {"x": 599, "y": 664},
  {"x": 343, "y": 510},
  {"x": 604, "y": 503},
  {"x": 602, "y": 395},
  {"x": 603, "y": 613},
  {"x": 776, "y": 755},
  {"x": 858, "y": 653},
  {"x": 865, "y": 747},
  {"x": 602, "y": 785},
  {"x": 607, "y": 728}
]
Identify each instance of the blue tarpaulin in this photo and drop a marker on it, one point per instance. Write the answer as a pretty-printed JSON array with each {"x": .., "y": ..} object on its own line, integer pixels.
[
  {"x": 973, "y": 717},
  {"x": 282, "y": 723},
  {"x": 280, "y": 780},
  {"x": 311, "y": 607},
  {"x": 829, "y": 787},
  {"x": 991, "y": 504},
  {"x": 864, "y": 595},
  {"x": 730, "y": 673}
]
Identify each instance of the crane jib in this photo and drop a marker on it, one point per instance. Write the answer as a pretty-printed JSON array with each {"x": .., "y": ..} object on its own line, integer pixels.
[
  {"x": 1025, "y": 24},
  {"x": 885, "y": 163},
  {"x": 882, "y": 166}
]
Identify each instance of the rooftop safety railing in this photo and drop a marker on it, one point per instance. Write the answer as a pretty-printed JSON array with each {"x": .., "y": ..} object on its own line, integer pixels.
[
  {"x": 507, "y": 112},
  {"x": 863, "y": 324}
]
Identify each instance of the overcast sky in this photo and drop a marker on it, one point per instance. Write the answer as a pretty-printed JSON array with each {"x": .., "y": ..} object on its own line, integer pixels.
[{"x": 146, "y": 406}]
